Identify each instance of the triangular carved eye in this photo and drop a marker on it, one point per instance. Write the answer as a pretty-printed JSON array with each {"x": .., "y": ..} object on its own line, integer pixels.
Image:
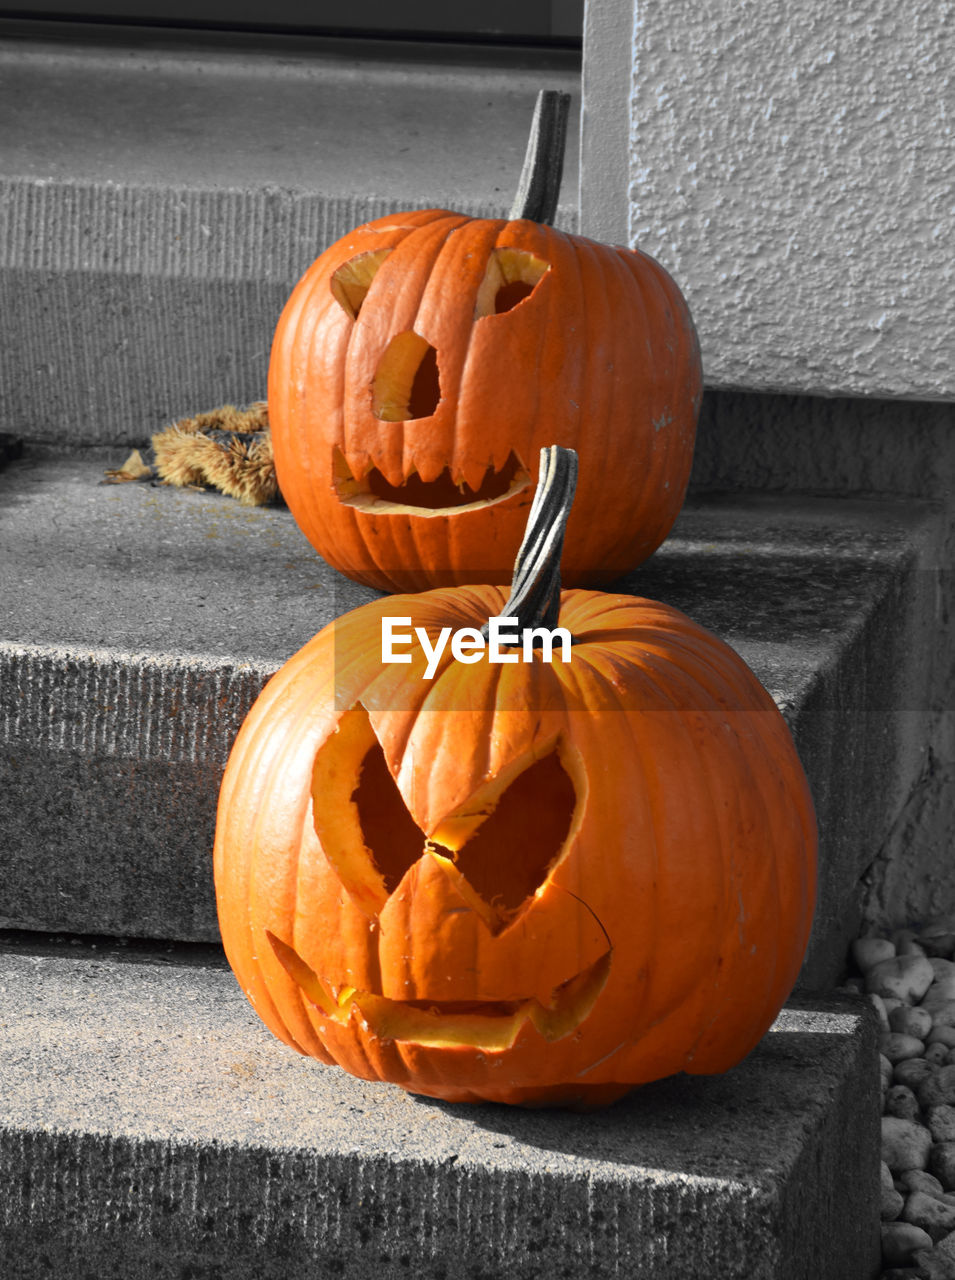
[
  {"x": 504, "y": 840},
  {"x": 351, "y": 282},
  {"x": 511, "y": 276},
  {"x": 391, "y": 835},
  {"x": 509, "y": 855}
]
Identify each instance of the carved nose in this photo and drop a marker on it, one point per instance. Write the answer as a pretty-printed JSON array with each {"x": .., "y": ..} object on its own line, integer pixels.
[{"x": 406, "y": 384}]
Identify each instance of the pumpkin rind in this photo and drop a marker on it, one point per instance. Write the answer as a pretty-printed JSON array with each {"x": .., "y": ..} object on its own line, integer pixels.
[
  {"x": 690, "y": 856},
  {"x": 601, "y": 357}
]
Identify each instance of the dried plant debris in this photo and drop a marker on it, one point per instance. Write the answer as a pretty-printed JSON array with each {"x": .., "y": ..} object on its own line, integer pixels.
[
  {"x": 133, "y": 469},
  {"x": 229, "y": 449}
]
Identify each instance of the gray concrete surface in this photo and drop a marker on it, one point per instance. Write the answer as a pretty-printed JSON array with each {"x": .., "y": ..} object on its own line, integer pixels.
[
  {"x": 143, "y": 108},
  {"x": 150, "y": 1126},
  {"x": 790, "y": 166},
  {"x": 139, "y": 623},
  {"x": 796, "y": 444},
  {"x": 160, "y": 197}
]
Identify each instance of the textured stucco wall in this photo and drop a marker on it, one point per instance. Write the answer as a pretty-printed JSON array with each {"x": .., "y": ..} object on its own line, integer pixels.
[{"x": 791, "y": 162}]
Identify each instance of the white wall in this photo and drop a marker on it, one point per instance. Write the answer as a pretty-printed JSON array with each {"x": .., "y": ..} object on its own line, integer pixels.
[{"x": 792, "y": 164}]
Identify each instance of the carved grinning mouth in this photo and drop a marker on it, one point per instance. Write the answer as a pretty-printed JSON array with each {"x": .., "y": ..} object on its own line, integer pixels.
[
  {"x": 427, "y": 497},
  {"x": 477, "y": 1024}
]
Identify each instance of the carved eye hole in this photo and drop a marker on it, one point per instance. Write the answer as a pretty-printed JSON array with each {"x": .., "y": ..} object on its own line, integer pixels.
[
  {"x": 508, "y": 856},
  {"x": 391, "y": 835},
  {"x": 511, "y": 276},
  {"x": 351, "y": 282},
  {"x": 406, "y": 384},
  {"x": 503, "y": 841}
]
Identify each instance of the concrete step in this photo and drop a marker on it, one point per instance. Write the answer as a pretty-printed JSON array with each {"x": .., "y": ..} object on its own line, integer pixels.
[
  {"x": 150, "y": 1126},
  {"x": 140, "y": 622},
  {"x": 161, "y": 194}
]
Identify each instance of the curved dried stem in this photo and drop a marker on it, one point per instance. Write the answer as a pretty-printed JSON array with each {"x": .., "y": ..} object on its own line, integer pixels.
[
  {"x": 539, "y": 187},
  {"x": 535, "y": 588}
]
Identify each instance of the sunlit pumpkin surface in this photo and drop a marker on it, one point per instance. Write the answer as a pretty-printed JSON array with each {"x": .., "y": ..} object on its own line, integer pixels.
[
  {"x": 424, "y": 360},
  {"x": 531, "y": 883}
]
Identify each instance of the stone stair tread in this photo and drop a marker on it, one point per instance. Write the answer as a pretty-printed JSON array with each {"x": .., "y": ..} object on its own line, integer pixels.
[
  {"x": 145, "y": 1110},
  {"x": 145, "y": 568},
  {"x": 152, "y": 109}
]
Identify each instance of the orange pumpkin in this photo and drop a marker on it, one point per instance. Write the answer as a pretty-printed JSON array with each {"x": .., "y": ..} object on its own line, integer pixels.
[
  {"x": 425, "y": 358},
  {"x": 531, "y": 882}
]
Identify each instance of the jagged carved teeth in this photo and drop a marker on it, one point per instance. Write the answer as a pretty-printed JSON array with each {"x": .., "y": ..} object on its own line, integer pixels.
[
  {"x": 428, "y": 497},
  {"x": 479, "y": 1024}
]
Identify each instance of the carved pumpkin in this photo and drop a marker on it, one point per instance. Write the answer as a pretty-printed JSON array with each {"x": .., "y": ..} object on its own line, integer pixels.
[
  {"x": 424, "y": 360},
  {"x": 530, "y": 883}
]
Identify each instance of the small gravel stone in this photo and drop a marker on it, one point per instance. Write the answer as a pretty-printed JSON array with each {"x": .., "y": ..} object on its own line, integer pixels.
[
  {"x": 941, "y": 1123},
  {"x": 893, "y": 1202},
  {"x": 885, "y": 1071},
  {"x": 913, "y": 1071},
  {"x": 943, "y": 1015},
  {"x": 937, "y": 1054},
  {"x": 871, "y": 951},
  {"x": 936, "y": 1088},
  {"x": 905, "y": 977},
  {"x": 938, "y": 940},
  {"x": 905, "y": 1145},
  {"x": 942, "y": 1163},
  {"x": 892, "y": 1199},
  {"x": 910, "y": 1020},
  {"x": 940, "y": 994},
  {"x": 900, "y": 1241},
  {"x": 931, "y": 1214},
  {"x": 941, "y": 967},
  {"x": 904, "y": 940},
  {"x": 901, "y": 1101},
  {"x": 897, "y": 1048},
  {"x": 942, "y": 1035},
  {"x": 921, "y": 1180},
  {"x": 881, "y": 1012},
  {"x": 934, "y": 1264},
  {"x": 947, "y": 1246}
]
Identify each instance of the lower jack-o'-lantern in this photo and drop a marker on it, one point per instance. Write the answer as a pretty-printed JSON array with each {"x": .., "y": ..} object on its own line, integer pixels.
[
  {"x": 425, "y": 358},
  {"x": 543, "y": 879}
]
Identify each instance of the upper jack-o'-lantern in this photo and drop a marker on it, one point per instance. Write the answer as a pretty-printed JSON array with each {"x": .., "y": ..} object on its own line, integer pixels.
[
  {"x": 425, "y": 358},
  {"x": 530, "y": 880}
]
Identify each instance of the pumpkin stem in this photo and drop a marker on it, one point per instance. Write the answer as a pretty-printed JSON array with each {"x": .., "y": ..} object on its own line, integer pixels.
[
  {"x": 535, "y": 588},
  {"x": 539, "y": 187}
]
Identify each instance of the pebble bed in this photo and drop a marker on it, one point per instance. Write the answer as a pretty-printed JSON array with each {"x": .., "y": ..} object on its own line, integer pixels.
[{"x": 909, "y": 977}]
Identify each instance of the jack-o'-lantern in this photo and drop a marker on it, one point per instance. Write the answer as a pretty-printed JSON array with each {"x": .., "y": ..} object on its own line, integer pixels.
[
  {"x": 424, "y": 360},
  {"x": 542, "y": 880}
]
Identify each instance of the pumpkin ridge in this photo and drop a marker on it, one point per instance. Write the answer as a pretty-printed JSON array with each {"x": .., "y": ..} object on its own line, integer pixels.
[
  {"x": 721, "y": 975},
  {"x": 644, "y": 937},
  {"x": 263, "y": 854}
]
